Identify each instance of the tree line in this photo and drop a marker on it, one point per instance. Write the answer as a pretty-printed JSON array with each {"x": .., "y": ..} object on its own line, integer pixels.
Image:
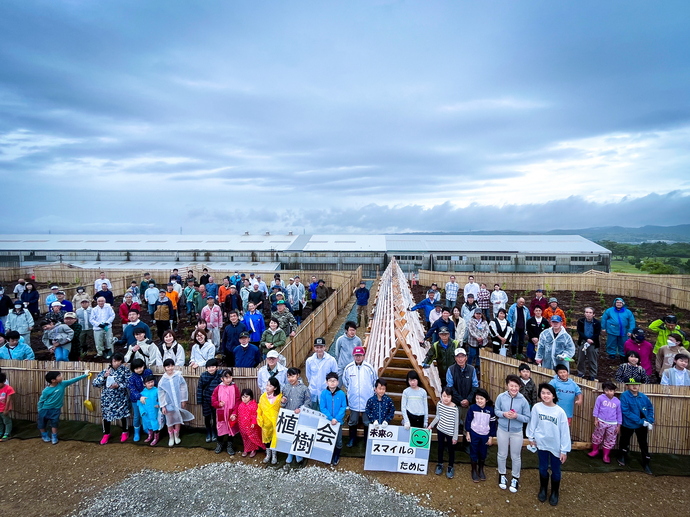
[{"x": 660, "y": 258}]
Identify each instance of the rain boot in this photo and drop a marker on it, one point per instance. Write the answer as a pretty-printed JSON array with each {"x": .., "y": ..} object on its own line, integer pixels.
[
  {"x": 645, "y": 465},
  {"x": 475, "y": 475},
  {"x": 149, "y": 437},
  {"x": 595, "y": 451},
  {"x": 543, "y": 487},
  {"x": 480, "y": 471},
  {"x": 607, "y": 453},
  {"x": 156, "y": 437},
  {"x": 353, "y": 438},
  {"x": 137, "y": 434},
  {"x": 624, "y": 458},
  {"x": 336, "y": 456},
  {"x": 555, "y": 487}
]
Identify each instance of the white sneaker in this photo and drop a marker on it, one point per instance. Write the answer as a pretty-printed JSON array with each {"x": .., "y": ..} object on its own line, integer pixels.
[
  {"x": 502, "y": 481},
  {"x": 514, "y": 485}
]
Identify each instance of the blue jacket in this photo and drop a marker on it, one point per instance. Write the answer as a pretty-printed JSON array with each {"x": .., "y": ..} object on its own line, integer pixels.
[
  {"x": 247, "y": 357},
  {"x": 212, "y": 290},
  {"x": 433, "y": 331},
  {"x": 362, "y": 295},
  {"x": 380, "y": 410},
  {"x": 231, "y": 337},
  {"x": 618, "y": 322},
  {"x": 425, "y": 304},
  {"x": 136, "y": 384},
  {"x": 259, "y": 325},
  {"x": 512, "y": 315},
  {"x": 21, "y": 352},
  {"x": 636, "y": 409},
  {"x": 128, "y": 334},
  {"x": 333, "y": 405}
]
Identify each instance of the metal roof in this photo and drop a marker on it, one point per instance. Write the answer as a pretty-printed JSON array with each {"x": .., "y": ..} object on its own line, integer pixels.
[
  {"x": 537, "y": 244},
  {"x": 139, "y": 265}
]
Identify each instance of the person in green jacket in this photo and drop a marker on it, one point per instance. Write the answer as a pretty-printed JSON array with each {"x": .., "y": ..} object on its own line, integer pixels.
[
  {"x": 50, "y": 403},
  {"x": 664, "y": 328},
  {"x": 443, "y": 351}
]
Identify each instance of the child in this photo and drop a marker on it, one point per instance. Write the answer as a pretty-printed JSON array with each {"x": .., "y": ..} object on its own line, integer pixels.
[
  {"x": 249, "y": 428},
  {"x": 568, "y": 392},
  {"x": 143, "y": 349},
  {"x": 665, "y": 355},
  {"x": 678, "y": 375},
  {"x": 202, "y": 351},
  {"x": 114, "y": 400},
  {"x": 607, "y": 421},
  {"x": 448, "y": 420},
  {"x": 267, "y": 418},
  {"x": 512, "y": 412},
  {"x": 208, "y": 382},
  {"x": 6, "y": 392},
  {"x": 333, "y": 403},
  {"x": 295, "y": 395},
  {"x": 50, "y": 404},
  {"x": 548, "y": 431},
  {"x": 631, "y": 369},
  {"x": 136, "y": 386},
  {"x": 480, "y": 426},
  {"x": 57, "y": 337},
  {"x": 639, "y": 344},
  {"x": 414, "y": 406},
  {"x": 638, "y": 417},
  {"x": 380, "y": 409},
  {"x": 225, "y": 399},
  {"x": 527, "y": 387},
  {"x": 172, "y": 397},
  {"x": 149, "y": 409}
]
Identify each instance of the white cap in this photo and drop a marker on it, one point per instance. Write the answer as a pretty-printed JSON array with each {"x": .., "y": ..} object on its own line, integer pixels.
[
  {"x": 272, "y": 353},
  {"x": 459, "y": 351}
]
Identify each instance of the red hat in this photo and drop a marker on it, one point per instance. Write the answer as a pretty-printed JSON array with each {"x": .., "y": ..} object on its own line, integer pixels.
[{"x": 359, "y": 351}]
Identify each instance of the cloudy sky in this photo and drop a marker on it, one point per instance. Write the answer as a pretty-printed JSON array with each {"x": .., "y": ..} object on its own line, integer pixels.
[{"x": 358, "y": 116}]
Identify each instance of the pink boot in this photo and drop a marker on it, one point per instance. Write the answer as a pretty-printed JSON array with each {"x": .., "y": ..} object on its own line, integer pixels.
[
  {"x": 124, "y": 437},
  {"x": 149, "y": 437},
  {"x": 595, "y": 451},
  {"x": 156, "y": 437},
  {"x": 105, "y": 439},
  {"x": 606, "y": 455}
]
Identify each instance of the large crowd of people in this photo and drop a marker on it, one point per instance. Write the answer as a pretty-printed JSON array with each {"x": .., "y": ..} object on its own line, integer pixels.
[{"x": 230, "y": 331}]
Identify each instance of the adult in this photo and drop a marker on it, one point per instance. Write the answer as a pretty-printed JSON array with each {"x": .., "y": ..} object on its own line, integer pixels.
[
  {"x": 462, "y": 379},
  {"x": 512, "y": 411},
  {"x": 56, "y": 313},
  {"x": 169, "y": 348},
  {"x": 638, "y": 343},
  {"x": 130, "y": 329},
  {"x": 257, "y": 297},
  {"x": 312, "y": 291},
  {"x": 175, "y": 275},
  {"x": 287, "y": 321},
  {"x": 484, "y": 301},
  {"x": 163, "y": 312},
  {"x": 231, "y": 338},
  {"x": 144, "y": 285},
  {"x": 518, "y": 314},
  {"x": 452, "y": 288},
  {"x": 467, "y": 309},
  {"x": 52, "y": 297},
  {"x": 244, "y": 294},
  {"x": 6, "y": 305},
  {"x": 66, "y": 304},
  {"x": 344, "y": 346},
  {"x": 105, "y": 293},
  {"x": 471, "y": 287},
  {"x": 554, "y": 310},
  {"x": 535, "y": 326},
  {"x": 437, "y": 293},
  {"x": 151, "y": 296},
  {"x": 276, "y": 296},
  {"x": 445, "y": 321},
  {"x": 255, "y": 324},
  {"x": 174, "y": 298},
  {"x": 30, "y": 297},
  {"x": 321, "y": 294},
  {"x": 617, "y": 322},
  {"x": 588, "y": 331},
  {"x": 272, "y": 369},
  {"x": 498, "y": 299},
  {"x": 101, "y": 319},
  {"x": 127, "y": 305},
  {"x": 664, "y": 328},
  {"x": 359, "y": 378},
  {"x": 213, "y": 316},
  {"x": 318, "y": 365},
  {"x": 245, "y": 354},
  {"x": 443, "y": 352},
  {"x": 362, "y": 297},
  {"x": 80, "y": 295},
  {"x": 296, "y": 293},
  {"x": 83, "y": 317},
  {"x": 555, "y": 346},
  {"x": 203, "y": 280},
  {"x": 212, "y": 288},
  {"x": 21, "y": 321},
  {"x": 262, "y": 285},
  {"x": 16, "y": 349},
  {"x": 73, "y": 324},
  {"x": 501, "y": 333},
  {"x": 428, "y": 304},
  {"x": 190, "y": 276},
  {"x": 192, "y": 300},
  {"x": 477, "y": 336},
  {"x": 273, "y": 338},
  {"x": 539, "y": 300},
  {"x": 224, "y": 290},
  {"x": 98, "y": 283},
  {"x": 19, "y": 288},
  {"x": 436, "y": 313},
  {"x": 666, "y": 354}
]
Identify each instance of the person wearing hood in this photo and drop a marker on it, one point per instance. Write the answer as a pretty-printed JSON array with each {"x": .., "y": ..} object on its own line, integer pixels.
[
  {"x": 20, "y": 320},
  {"x": 638, "y": 343},
  {"x": 618, "y": 323},
  {"x": 555, "y": 346},
  {"x": 15, "y": 348}
]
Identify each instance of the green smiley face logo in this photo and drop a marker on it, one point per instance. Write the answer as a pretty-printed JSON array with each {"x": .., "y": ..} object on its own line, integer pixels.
[{"x": 420, "y": 438}]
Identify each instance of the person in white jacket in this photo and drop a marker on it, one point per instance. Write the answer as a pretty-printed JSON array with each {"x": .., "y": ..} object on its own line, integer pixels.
[
  {"x": 359, "y": 378},
  {"x": 555, "y": 346},
  {"x": 202, "y": 350},
  {"x": 318, "y": 365},
  {"x": 170, "y": 349},
  {"x": 499, "y": 299},
  {"x": 548, "y": 431}
]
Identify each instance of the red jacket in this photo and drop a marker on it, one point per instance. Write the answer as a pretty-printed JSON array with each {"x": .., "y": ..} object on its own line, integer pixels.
[{"x": 124, "y": 311}]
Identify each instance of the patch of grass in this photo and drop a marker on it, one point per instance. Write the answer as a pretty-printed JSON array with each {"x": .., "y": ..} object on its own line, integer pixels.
[{"x": 621, "y": 266}]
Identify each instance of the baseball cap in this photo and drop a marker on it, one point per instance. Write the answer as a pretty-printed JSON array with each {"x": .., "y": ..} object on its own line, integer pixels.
[
  {"x": 272, "y": 354},
  {"x": 54, "y": 287},
  {"x": 443, "y": 330},
  {"x": 319, "y": 341},
  {"x": 459, "y": 351},
  {"x": 557, "y": 318},
  {"x": 56, "y": 304},
  {"x": 71, "y": 315},
  {"x": 244, "y": 334},
  {"x": 358, "y": 351},
  {"x": 280, "y": 302}
]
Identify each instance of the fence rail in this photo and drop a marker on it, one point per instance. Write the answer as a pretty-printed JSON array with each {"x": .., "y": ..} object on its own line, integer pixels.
[
  {"x": 666, "y": 289},
  {"x": 671, "y": 432}
]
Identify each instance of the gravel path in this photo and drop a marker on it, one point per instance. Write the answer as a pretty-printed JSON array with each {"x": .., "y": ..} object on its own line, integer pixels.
[{"x": 240, "y": 490}]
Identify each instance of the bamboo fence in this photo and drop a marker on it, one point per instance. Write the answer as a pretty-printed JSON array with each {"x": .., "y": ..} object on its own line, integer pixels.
[
  {"x": 666, "y": 289},
  {"x": 671, "y": 432}
]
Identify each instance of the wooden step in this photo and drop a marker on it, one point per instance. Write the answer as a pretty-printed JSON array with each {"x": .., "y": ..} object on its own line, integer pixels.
[
  {"x": 397, "y": 372},
  {"x": 400, "y": 362}
]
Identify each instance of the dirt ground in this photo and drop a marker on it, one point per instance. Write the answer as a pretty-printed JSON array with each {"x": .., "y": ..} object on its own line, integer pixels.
[{"x": 37, "y": 479}]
